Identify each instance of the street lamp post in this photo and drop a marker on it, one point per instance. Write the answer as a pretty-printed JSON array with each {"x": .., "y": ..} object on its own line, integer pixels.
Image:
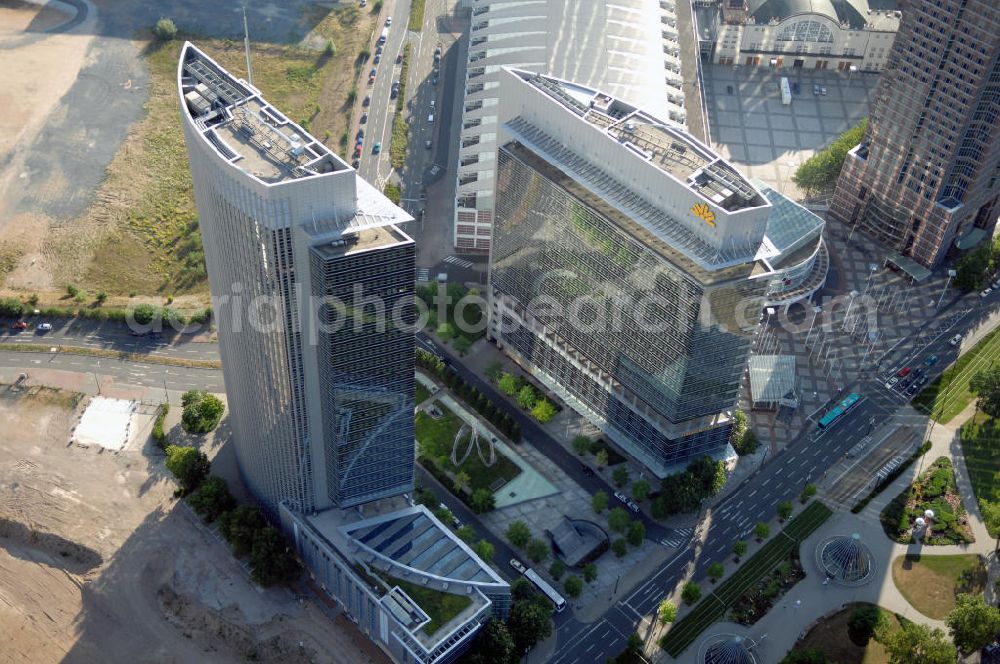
[
  {"x": 816, "y": 311},
  {"x": 951, "y": 275},
  {"x": 850, "y": 306}
]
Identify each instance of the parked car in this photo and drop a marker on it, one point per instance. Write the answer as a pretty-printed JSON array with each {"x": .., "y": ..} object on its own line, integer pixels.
[
  {"x": 357, "y": 152},
  {"x": 364, "y": 118},
  {"x": 986, "y": 292},
  {"x": 904, "y": 372},
  {"x": 437, "y": 50},
  {"x": 815, "y": 88},
  {"x": 378, "y": 58},
  {"x": 355, "y": 163},
  {"x": 955, "y": 340},
  {"x": 516, "y": 564},
  {"x": 796, "y": 88},
  {"x": 361, "y": 133},
  {"x": 891, "y": 383},
  {"x": 996, "y": 284},
  {"x": 44, "y": 327},
  {"x": 388, "y": 21},
  {"x": 434, "y": 81},
  {"x": 822, "y": 90},
  {"x": 427, "y": 144},
  {"x": 367, "y": 102},
  {"x": 931, "y": 361},
  {"x": 437, "y": 58},
  {"x": 399, "y": 59},
  {"x": 377, "y": 148},
  {"x": 19, "y": 325}
]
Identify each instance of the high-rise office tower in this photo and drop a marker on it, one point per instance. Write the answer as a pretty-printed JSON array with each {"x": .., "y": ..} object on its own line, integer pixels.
[
  {"x": 312, "y": 284},
  {"x": 927, "y": 174},
  {"x": 630, "y": 264}
]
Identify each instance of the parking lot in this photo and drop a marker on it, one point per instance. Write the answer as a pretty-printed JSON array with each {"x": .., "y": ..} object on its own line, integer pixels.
[{"x": 751, "y": 127}]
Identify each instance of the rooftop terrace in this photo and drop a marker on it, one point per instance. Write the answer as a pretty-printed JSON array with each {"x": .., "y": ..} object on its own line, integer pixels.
[
  {"x": 246, "y": 130},
  {"x": 659, "y": 142}
]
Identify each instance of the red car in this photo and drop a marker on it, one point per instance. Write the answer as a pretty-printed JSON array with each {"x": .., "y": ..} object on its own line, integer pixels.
[
  {"x": 903, "y": 372},
  {"x": 19, "y": 325}
]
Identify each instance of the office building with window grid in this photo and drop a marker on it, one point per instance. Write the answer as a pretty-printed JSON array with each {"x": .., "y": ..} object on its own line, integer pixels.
[
  {"x": 320, "y": 391},
  {"x": 926, "y": 176},
  {"x": 629, "y": 266}
]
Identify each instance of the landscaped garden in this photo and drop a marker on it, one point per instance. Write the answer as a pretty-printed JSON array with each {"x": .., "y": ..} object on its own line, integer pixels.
[
  {"x": 949, "y": 394},
  {"x": 935, "y": 489},
  {"x": 439, "y": 606},
  {"x": 845, "y": 637},
  {"x": 472, "y": 477},
  {"x": 753, "y": 604},
  {"x": 761, "y": 564},
  {"x": 523, "y": 392},
  {"x": 930, "y": 583}
]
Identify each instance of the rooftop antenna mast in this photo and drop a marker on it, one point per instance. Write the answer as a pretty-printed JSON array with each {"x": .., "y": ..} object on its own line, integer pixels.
[{"x": 246, "y": 46}]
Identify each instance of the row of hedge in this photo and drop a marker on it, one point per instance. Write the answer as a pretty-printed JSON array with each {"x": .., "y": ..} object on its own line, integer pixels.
[
  {"x": 890, "y": 478},
  {"x": 471, "y": 395},
  {"x": 143, "y": 314}
]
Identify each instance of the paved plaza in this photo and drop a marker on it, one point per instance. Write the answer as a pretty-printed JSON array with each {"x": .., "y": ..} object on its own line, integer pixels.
[{"x": 753, "y": 129}]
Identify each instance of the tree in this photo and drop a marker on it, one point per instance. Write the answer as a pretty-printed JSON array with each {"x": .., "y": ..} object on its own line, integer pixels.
[
  {"x": 785, "y": 509},
  {"x": 636, "y": 533},
  {"x": 640, "y": 490},
  {"x": 991, "y": 517},
  {"x": 461, "y": 481},
  {"x": 573, "y": 586},
  {"x": 601, "y": 459},
  {"x": 986, "y": 385},
  {"x": 526, "y": 397},
  {"x": 808, "y": 491},
  {"x": 581, "y": 445},
  {"x": 761, "y": 531},
  {"x": 188, "y": 465},
  {"x": 810, "y": 656},
  {"x": 466, "y": 534},
  {"x": 11, "y": 307},
  {"x": 271, "y": 559},
  {"x": 679, "y": 493},
  {"x": 444, "y": 515},
  {"x": 865, "y": 622},
  {"x": 482, "y": 501},
  {"x": 484, "y": 550},
  {"x": 202, "y": 411},
  {"x": 619, "y": 547},
  {"x": 739, "y": 549},
  {"x": 916, "y": 642},
  {"x": 494, "y": 370},
  {"x": 238, "y": 527},
  {"x": 557, "y": 569},
  {"x": 710, "y": 475},
  {"x": 819, "y": 172},
  {"x": 715, "y": 571},
  {"x": 537, "y": 549},
  {"x": 667, "y": 612},
  {"x": 509, "y": 384},
  {"x": 493, "y": 645},
  {"x": 212, "y": 499},
  {"x": 164, "y": 30},
  {"x": 633, "y": 645},
  {"x": 600, "y": 501},
  {"x": 543, "y": 410},
  {"x": 101, "y": 297},
  {"x": 691, "y": 593},
  {"x": 620, "y": 475},
  {"x": 741, "y": 437},
  {"x": 521, "y": 590},
  {"x": 618, "y": 519},
  {"x": 973, "y": 623},
  {"x": 518, "y": 533},
  {"x": 331, "y": 49},
  {"x": 529, "y": 623},
  {"x": 143, "y": 314},
  {"x": 971, "y": 269},
  {"x": 590, "y": 573}
]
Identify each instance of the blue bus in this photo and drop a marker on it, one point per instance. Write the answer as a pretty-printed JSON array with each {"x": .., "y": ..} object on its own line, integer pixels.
[{"x": 839, "y": 410}]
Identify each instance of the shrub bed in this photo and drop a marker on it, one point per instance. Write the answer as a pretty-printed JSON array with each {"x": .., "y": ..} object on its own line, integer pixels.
[{"x": 936, "y": 490}]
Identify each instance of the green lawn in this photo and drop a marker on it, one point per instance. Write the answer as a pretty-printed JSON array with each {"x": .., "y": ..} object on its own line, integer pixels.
[
  {"x": 833, "y": 638},
  {"x": 948, "y": 396},
  {"x": 440, "y": 606},
  {"x": 422, "y": 392},
  {"x": 930, "y": 583},
  {"x": 981, "y": 447},
  {"x": 713, "y": 607},
  {"x": 435, "y": 438}
]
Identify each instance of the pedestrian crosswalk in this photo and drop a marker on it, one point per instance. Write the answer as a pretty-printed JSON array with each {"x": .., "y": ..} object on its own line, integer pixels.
[
  {"x": 423, "y": 274},
  {"x": 455, "y": 260},
  {"x": 677, "y": 537}
]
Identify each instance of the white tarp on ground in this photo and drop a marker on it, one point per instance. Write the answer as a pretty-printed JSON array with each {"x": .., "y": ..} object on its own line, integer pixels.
[{"x": 106, "y": 422}]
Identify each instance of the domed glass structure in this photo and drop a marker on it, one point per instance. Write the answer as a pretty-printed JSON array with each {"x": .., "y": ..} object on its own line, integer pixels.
[
  {"x": 728, "y": 649},
  {"x": 845, "y": 560}
]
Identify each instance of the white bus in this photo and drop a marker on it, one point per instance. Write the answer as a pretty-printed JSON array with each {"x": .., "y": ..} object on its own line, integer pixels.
[{"x": 546, "y": 589}]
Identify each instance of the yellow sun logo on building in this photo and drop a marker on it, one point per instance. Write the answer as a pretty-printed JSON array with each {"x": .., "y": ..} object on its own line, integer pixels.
[{"x": 704, "y": 213}]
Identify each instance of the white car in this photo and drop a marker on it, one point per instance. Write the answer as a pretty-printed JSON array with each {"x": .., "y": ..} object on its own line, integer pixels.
[
  {"x": 986, "y": 292},
  {"x": 44, "y": 327},
  {"x": 889, "y": 384},
  {"x": 388, "y": 21},
  {"x": 516, "y": 564},
  {"x": 955, "y": 340}
]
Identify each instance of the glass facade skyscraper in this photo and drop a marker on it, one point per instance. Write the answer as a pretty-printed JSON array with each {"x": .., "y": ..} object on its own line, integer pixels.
[{"x": 644, "y": 336}]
